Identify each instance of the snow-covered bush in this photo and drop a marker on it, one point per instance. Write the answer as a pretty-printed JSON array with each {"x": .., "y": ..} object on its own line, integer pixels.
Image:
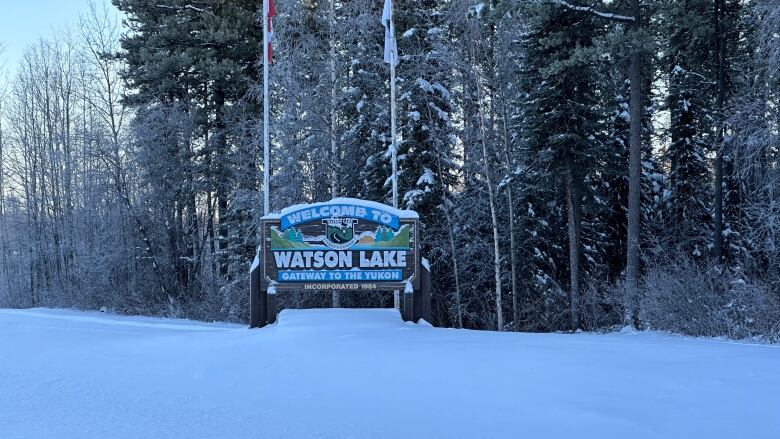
[
  {"x": 690, "y": 297},
  {"x": 601, "y": 307}
]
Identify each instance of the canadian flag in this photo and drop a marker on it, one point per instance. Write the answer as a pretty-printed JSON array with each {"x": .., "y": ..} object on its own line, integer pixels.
[{"x": 269, "y": 12}]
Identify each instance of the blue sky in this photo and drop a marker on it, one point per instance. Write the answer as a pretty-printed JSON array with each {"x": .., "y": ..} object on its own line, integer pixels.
[{"x": 23, "y": 22}]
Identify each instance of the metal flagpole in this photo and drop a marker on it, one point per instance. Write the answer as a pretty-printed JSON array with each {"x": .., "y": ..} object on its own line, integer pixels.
[
  {"x": 393, "y": 133},
  {"x": 266, "y": 117},
  {"x": 393, "y": 126},
  {"x": 393, "y": 130}
]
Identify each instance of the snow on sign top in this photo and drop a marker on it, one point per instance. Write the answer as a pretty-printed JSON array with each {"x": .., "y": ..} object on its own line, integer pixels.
[{"x": 343, "y": 207}]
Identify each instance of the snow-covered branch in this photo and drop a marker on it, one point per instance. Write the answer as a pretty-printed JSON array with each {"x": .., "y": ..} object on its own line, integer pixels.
[
  {"x": 187, "y": 6},
  {"x": 592, "y": 10}
]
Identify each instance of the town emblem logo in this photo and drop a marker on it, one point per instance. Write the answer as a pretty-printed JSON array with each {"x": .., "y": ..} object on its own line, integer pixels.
[{"x": 340, "y": 233}]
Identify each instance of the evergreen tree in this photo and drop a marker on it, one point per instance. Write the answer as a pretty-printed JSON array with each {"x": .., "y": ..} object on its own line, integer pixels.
[
  {"x": 426, "y": 145},
  {"x": 196, "y": 61},
  {"x": 424, "y": 108},
  {"x": 301, "y": 100},
  {"x": 689, "y": 101},
  {"x": 563, "y": 130},
  {"x": 365, "y": 104}
]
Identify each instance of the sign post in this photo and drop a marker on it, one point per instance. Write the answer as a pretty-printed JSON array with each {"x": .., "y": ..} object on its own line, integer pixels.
[{"x": 341, "y": 245}]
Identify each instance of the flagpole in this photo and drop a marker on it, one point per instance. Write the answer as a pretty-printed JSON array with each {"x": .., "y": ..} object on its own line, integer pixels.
[
  {"x": 266, "y": 118},
  {"x": 393, "y": 126},
  {"x": 393, "y": 133}
]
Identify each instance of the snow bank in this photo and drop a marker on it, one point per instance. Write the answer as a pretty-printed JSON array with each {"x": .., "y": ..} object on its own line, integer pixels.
[{"x": 365, "y": 374}]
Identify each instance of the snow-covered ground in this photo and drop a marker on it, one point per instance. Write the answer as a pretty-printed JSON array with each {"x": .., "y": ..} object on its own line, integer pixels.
[{"x": 365, "y": 374}]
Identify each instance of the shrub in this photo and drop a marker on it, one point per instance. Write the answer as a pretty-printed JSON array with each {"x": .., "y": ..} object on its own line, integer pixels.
[{"x": 698, "y": 298}]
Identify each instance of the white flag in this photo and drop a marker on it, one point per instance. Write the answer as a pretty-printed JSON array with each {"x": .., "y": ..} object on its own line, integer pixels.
[{"x": 391, "y": 48}]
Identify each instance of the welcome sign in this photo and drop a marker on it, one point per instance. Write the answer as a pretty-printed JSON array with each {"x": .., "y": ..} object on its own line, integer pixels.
[{"x": 344, "y": 244}]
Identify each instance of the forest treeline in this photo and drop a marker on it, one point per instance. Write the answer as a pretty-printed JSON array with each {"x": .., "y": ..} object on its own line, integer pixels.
[{"x": 538, "y": 140}]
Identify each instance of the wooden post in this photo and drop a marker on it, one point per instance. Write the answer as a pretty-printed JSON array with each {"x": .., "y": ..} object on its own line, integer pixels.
[
  {"x": 257, "y": 300},
  {"x": 408, "y": 306},
  {"x": 422, "y": 297},
  {"x": 271, "y": 308},
  {"x": 418, "y": 305},
  {"x": 425, "y": 294}
]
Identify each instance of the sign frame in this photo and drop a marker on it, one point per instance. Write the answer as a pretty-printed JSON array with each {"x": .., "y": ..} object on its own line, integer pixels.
[{"x": 341, "y": 233}]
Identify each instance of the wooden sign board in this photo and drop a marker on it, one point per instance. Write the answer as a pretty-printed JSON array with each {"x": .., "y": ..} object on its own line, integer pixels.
[{"x": 344, "y": 244}]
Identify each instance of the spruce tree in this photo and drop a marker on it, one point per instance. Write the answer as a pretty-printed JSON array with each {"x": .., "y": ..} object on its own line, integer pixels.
[
  {"x": 563, "y": 129},
  {"x": 195, "y": 61},
  {"x": 690, "y": 105},
  {"x": 364, "y": 106},
  {"x": 424, "y": 108}
]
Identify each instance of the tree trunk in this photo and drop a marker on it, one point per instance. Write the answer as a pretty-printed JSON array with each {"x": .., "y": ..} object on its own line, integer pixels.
[
  {"x": 494, "y": 220},
  {"x": 221, "y": 180},
  {"x": 3, "y": 224},
  {"x": 720, "y": 63},
  {"x": 510, "y": 200},
  {"x": 634, "y": 169},
  {"x": 496, "y": 258},
  {"x": 574, "y": 206},
  {"x": 493, "y": 208},
  {"x": 513, "y": 259},
  {"x": 453, "y": 250}
]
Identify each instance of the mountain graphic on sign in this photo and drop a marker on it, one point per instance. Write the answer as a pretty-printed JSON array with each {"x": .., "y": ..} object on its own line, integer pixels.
[
  {"x": 290, "y": 239},
  {"x": 383, "y": 238}
]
